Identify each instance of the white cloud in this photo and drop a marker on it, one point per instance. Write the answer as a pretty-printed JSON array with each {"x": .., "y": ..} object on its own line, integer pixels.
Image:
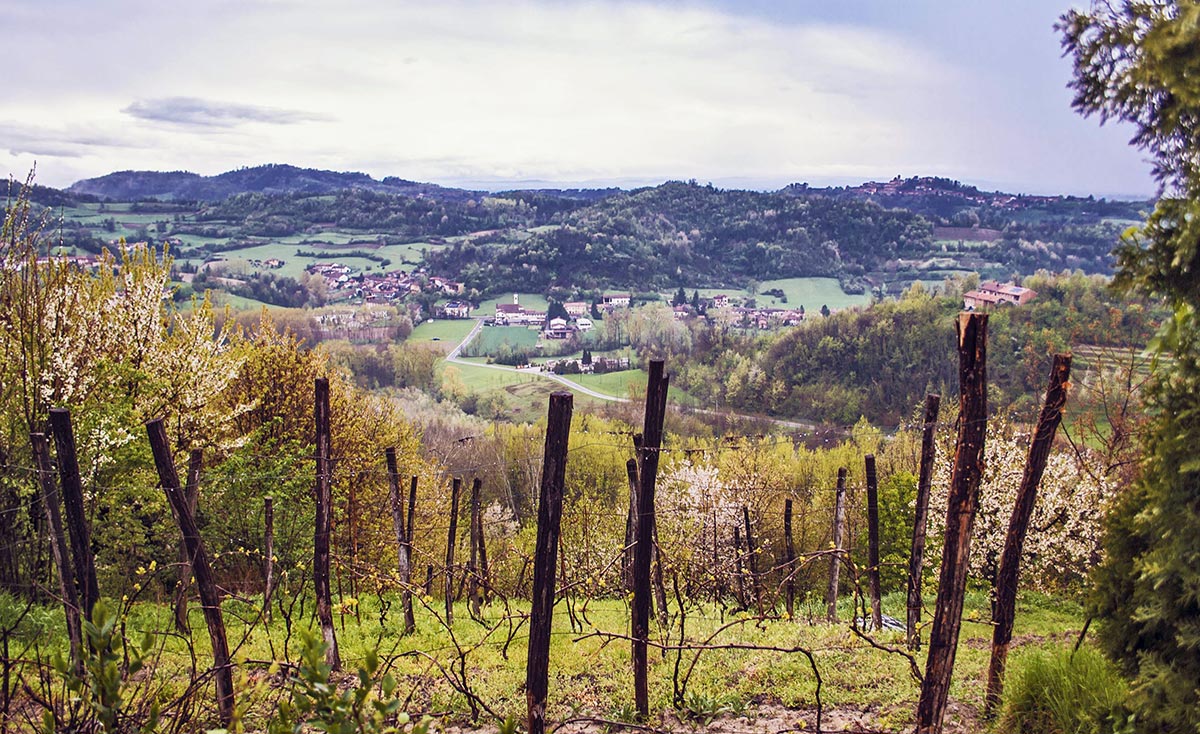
[{"x": 468, "y": 89}]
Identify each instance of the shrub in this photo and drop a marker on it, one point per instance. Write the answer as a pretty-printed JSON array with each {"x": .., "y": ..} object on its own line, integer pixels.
[{"x": 1071, "y": 693}]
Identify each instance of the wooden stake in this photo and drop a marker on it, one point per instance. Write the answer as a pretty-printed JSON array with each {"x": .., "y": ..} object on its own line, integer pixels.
[
  {"x": 917, "y": 558},
  {"x": 398, "y": 526},
  {"x": 960, "y": 520},
  {"x": 452, "y": 536},
  {"x": 835, "y": 563},
  {"x": 269, "y": 554},
  {"x": 1005, "y": 606},
  {"x": 473, "y": 592},
  {"x": 324, "y": 525},
  {"x": 51, "y": 505},
  {"x": 751, "y": 554},
  {"x": 210, "y": 599},
  {"x": 77, "y": 526},
  {"x": 789, "y": 550},
  {"x": 873, "y": 541},
  {"x": 541, "y": 617},
  {"x": 631, "y": 472},
  {"x": 656, "y": 408},
  {"x": 410, "y": 621},
  {"x": 191, "y": 493}
]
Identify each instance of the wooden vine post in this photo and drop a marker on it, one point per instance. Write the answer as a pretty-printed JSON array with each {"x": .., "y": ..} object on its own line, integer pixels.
[
  {"x": 324, "y": 525},
  {"x": 77, "y": 526},
  {"x": 452, "y": 536},
  {"x": 960, "y": 519},
  {"x": 554, "y": 468},
  {"x": 268, "y": 555},
  {"x": 835, "y": 559},
  {"x": 652, "y": 434},
  {"x": 396, "y": 501},
  {"x": 631, "y": 473},
  {"x": 410, "y": 621},
  {"x": 58, "y": 546},
  {"x": 210, "y": 598},
  {"x": 916, "y": 559},
  {"x": 873, "y": 541},
  {"x": 473, "y": 587},
  {"x": 191, "y": 493},
  {"x": 752, "y": 562},
  {"x": 1004, "y": 609},
  {"x": 789, "y": 549}
]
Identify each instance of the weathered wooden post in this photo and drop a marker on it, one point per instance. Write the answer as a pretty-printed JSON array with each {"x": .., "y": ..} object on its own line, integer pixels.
[
  {"x": 484, "y": 573},
  {"x": 1005, "y": 605},
  {"x": 324, "y": 525},
  {"x": 652, "y": 434},
  {"x": 835, "y": 558},
  {"x": 789, "y": 549},
  {"x": 410, "y": 621},
  {"x": 631, "y": 472},
  {"x": 191, "y": 493},
  {"x": 398, "y": 527},
  {"x": 452, "y": 536},
  {"x": 76, "y": 515},
  {"x": 210, "y": 599},
  {"x": 752, "y": 559},
  {"x": 960, "y": 520},
  {"x": 917, "y": 558},
  {"x": 269, "y": 555},
  {"x": 473, "y": 590},
  {"x": 541, "y": 616},
  {"x": 51, "y": 505},
  {"x": 873, "y": 541}
]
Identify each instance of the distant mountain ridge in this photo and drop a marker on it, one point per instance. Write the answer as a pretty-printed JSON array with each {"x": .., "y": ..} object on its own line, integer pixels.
[{"x": 267, "y": 179}]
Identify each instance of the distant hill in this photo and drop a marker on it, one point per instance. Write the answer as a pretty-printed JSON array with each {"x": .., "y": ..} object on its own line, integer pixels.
[{"x": 268, "y": 179}]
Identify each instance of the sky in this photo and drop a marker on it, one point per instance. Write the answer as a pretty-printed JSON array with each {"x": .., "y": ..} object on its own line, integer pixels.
[{"x": 486, "y": 94}]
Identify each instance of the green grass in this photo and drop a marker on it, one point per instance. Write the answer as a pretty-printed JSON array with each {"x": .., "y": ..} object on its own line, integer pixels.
[
  {"x": 492, "y": 338},
  {"x": 811, "y": 293},
  {"x": 590, "y": 674},
  {"x": 1060, "y": 692},
  {"x": 448, "y": 332}
]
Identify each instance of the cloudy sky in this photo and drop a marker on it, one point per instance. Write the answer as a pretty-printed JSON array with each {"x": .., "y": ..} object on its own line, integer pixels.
[{"x": 753, "y": 93}]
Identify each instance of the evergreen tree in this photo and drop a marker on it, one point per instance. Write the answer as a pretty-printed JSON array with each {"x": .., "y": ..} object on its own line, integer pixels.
[
  {"x": 696, "y": 300},
  {"x": 680, "y": 298},
  {"x": 1136, "y": 62}
]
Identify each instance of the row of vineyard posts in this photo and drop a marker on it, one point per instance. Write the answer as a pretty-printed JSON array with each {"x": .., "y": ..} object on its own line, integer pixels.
[{"x": 70, "y": 545}]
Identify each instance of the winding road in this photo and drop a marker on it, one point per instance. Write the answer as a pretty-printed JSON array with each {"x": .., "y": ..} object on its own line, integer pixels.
[{"x": 454, "y": 358}]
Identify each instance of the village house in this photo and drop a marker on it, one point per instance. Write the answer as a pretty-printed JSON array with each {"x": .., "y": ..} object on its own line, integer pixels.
[
  {"x": 514, "y": 314},
  {"x": 992, "y": 293},
  {"x": 445, "y": 285},
  {"x": 456, "y": 310},
  {"x": 558, "y": 328},
  {"x": 720, "y": 300},
  {"x": 610, "y": 301},
  {"x": 575, "y": 309}
]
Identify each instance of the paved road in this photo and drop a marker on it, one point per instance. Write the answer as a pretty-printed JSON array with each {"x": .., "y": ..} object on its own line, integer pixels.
[{"x": 453, "y": 357}]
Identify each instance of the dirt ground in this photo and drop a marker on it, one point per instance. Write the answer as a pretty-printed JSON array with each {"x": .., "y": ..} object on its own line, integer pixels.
[{"x": 765, "y": 719}]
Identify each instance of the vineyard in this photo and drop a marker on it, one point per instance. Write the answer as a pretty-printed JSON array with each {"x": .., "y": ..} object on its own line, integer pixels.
[{"x": 630, "y": 578}]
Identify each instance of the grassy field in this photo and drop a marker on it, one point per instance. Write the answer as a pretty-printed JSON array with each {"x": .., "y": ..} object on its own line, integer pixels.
[
  {"x": 865, "y": 688},
  {"x": 811, "y": 293},
  {"x": 491, "y": 338},
  {"x": 448, "y": 332}
]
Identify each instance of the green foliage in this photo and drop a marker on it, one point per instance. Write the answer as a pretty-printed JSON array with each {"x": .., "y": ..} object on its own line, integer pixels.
[
  {"x": 104, "y": 686},
  {"x": 368, "y": 707},
  {"x": 1060, "y": 692},
  {"x": 1136, "y": 62}
]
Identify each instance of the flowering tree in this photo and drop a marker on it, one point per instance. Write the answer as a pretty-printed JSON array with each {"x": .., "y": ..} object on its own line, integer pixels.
[{"x": 1065, "y": 531}]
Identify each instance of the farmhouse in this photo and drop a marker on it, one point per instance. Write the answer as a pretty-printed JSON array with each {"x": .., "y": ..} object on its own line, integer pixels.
[
  {"x": 992, "y": 293},
  {"x": 616, "y": 300},
  {"x": 575, "y": 309}
]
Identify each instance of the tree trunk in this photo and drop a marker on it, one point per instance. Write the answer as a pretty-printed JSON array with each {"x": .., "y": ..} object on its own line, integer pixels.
[
  {"x": 1010, "y": 559},
  {"x": 960, "y": 520}
]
